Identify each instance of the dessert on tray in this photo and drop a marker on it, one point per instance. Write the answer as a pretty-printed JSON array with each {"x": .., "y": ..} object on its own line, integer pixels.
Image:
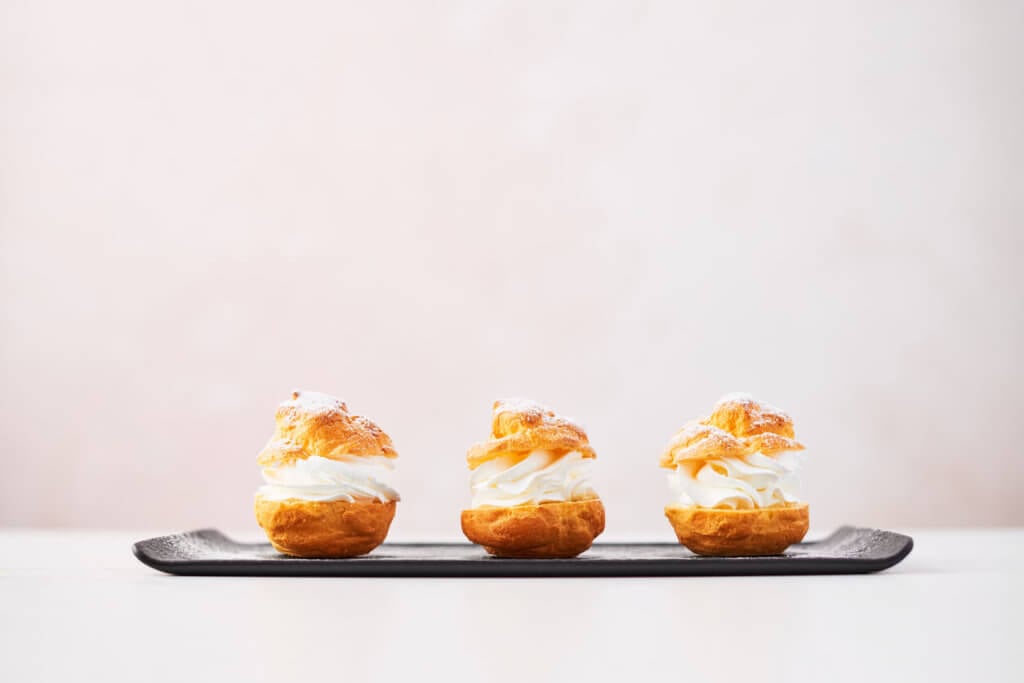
[
  {"x": 530, "y": 484},
  {"x": 324, "y": 469},
  {"x": 733, "y": 480}
]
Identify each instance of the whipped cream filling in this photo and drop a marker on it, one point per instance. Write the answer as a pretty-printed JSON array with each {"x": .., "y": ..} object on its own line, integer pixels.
[
  {"x": 753, "y": 481},
  {"x": 540, "y": 477},
  {"x": 322, "y": 479}
]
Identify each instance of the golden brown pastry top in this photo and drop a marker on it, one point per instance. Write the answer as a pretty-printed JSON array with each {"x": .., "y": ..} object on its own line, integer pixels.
[
  {"x": 316, "y": 424},
  {"x": 520, "y": 427},
  {"x": 740, "y": 425}
]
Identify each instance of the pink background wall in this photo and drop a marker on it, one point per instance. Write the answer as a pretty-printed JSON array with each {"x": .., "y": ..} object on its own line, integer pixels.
[{"x": 623, "y": 212}]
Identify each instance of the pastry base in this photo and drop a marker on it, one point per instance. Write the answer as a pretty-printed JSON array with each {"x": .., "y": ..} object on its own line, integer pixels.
[
  {"x": 761, "y": 531},
  {"x": 334, "y": 528},
  {"x": 557, "y": 529}
]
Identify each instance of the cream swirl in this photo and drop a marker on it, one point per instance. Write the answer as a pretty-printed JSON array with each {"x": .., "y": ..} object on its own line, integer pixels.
[
  {"x": 751, "y": 481},
  {"x": 322, "y": 479},
  {"x": 540, "y": 477}
]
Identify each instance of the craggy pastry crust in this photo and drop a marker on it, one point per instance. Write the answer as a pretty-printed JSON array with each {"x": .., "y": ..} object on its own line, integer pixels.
[
  {"x": 738, "y": 426},
  {"x": 334, "y": 528},
  {"x": 725, "y": 532},
  {"x": 555, "y": 529},
  {"x": 321, "y": 426},
  {"x": 519, "y": 427}
]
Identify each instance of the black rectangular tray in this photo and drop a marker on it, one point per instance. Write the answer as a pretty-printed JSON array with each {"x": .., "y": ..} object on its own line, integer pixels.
[{"x": 208, "y": 552}]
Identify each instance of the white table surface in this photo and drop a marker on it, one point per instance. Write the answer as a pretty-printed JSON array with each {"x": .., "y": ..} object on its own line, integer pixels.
[{"x": 77, "y": 606}]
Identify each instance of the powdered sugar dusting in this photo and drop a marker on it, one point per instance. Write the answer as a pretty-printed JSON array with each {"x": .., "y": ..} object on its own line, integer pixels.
[
  {"x": 520, "y": 405},
  {"x": 314, "y": 402},
  {"x": 526, "y": 405},
  {"x": 748, "y": 399}
]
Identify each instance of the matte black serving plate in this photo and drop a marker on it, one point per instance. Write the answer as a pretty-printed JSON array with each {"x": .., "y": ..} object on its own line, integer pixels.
[{"x": 208, "y": 552}]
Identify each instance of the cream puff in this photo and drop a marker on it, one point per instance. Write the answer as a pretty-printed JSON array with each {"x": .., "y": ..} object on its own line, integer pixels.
[
  {"x": 733, "y": 481},
  {"x": 530, "y": 484},
  {"x": 324, "y": 469}
]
